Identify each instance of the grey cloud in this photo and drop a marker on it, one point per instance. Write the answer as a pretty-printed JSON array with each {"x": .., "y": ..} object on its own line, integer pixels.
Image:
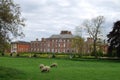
[{"x": 47, "y": 17}]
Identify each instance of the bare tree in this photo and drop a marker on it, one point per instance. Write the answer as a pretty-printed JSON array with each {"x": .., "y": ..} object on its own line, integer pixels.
[{"x": 93, "y": 28}]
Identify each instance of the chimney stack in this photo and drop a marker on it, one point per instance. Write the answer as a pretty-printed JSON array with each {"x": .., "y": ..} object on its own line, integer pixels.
[{"x": 65, "y": 32}]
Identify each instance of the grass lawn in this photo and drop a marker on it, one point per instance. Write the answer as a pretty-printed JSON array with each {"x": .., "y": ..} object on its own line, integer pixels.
[{"x": 28, "y": 69}]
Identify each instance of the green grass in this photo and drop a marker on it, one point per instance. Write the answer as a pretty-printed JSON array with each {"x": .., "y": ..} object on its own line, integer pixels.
[
  {"x": 11, "y": 74},
  {"x": 28, "y": 69}
]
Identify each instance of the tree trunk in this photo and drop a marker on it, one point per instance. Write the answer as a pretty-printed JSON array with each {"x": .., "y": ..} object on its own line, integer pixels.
[
  {"x": 118, "y": 51},
  {"x": 94, "y": 49},
  {"x": 109, "y": 51}
]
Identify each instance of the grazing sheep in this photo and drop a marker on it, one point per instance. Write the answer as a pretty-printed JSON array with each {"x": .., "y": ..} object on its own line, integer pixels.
[
  {"x": 41, "y": 66},
  {"x": 45, "y": 69},
  {"x": 54, "y": 65}
]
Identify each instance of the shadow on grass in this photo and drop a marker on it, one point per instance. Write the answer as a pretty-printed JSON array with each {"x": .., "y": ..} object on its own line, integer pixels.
[
  {"x": 11, "y": 74},
  {"x": 97, "y": 59}
]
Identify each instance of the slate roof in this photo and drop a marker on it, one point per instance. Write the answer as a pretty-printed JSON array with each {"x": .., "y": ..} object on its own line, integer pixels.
[
  {"x": 62, "y": 36},
  {"x": 20, "y": 42}
]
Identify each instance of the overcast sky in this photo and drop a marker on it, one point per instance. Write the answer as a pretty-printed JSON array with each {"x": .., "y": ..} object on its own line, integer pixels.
[{"x": 47, "y": 17}]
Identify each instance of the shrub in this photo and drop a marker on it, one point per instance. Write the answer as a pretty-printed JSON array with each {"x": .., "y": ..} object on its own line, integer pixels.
[
  {"x": 53, "y": 56},
  {"x": 100, "y": 53},
  {"x": 17, "y": 54},
  {"x": 2, "y": 54},
  {"x": 11, "y": 54},
  {"x": 34, "y": 55}
]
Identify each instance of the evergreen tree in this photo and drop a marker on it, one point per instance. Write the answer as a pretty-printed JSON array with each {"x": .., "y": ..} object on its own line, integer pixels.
[{"x": 114, "y": 39}]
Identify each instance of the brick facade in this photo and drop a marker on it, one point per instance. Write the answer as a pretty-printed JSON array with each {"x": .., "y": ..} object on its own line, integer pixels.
[
  {"x": 20, "y": 46},
  {"x": 56, "y": 43}
]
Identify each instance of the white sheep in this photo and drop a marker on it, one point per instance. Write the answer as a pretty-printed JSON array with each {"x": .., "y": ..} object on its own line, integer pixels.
[
  {"x": 53, "y": 65},
  {"x": 45, "y": 69},
  {"x": 41, "y": 66},
  {"x": 48, "y": 68}
]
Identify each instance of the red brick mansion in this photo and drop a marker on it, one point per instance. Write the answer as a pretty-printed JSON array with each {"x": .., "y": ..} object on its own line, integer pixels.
[{"x": 55, "y": 43}]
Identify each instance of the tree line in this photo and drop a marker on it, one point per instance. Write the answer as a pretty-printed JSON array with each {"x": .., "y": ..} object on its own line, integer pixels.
[{"x": 94, "y": 29}]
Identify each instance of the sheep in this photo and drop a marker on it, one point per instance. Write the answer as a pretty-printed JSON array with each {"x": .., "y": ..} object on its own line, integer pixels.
[
  {"x": 45, "y": 69},
  {"x": 48, "y": 68},
  {"x": 53, "y": 65},
  {"x": 41, "y": 66}
]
